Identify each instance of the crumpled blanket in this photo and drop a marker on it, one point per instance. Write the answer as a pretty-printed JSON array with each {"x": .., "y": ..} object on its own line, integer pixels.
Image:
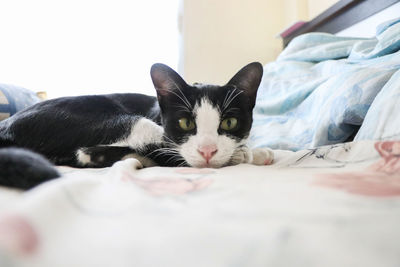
[{"x": 322, "y": 88}]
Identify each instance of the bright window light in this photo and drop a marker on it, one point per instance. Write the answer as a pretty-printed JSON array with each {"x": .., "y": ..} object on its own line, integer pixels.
[{"x": 79, "y": 47}]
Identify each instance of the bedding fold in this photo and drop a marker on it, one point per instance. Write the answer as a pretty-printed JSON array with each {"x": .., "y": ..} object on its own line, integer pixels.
[
  {"x": 344, "y": 196},
  {"x": 321, "y": 87}
]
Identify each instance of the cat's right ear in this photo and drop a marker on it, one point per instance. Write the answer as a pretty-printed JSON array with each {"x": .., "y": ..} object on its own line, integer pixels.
[{"x": 166, "y": 80}]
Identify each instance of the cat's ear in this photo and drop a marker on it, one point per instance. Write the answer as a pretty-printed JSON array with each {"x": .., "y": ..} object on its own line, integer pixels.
[
  {"x": 166, "y": 80},
  {"x": 248, "y": 79}
]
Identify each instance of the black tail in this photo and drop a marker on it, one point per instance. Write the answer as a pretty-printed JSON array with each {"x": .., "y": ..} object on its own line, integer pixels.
[
  {"x": 23, "y": 169},
  {"x": 5, "y": 143}
]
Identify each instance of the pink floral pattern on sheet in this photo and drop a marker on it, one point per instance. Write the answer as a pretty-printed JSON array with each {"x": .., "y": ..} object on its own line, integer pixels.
[
  {"x": 390, "y": 153},
  {"x": 193, "y": 171},
  {"x": 164, "y": 185},
  {"x": 17, "y": 235},
  {"x": 171, "y": 186},
  {"x": 381, "y": 179}
]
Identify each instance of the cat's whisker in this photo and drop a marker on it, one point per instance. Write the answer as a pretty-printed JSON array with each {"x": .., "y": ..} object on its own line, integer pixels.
[
  {"x": 183, "y": 95},
  {"x": 182, "y": 164},
  {"x": 227, "y": 97},
  {"x": 166, "y": 151},
  {"x": 169, "y": 141},
  {"x": 232, "y": 98},
  {"x": 182, "y": 108},
  {"x": 232, "y": 110},
  {"x": 186, "y": 103},
  {"x": 183, "y": 98},
  {"x": 174, "y": 158},
  {"x": 160, "y": 152}
]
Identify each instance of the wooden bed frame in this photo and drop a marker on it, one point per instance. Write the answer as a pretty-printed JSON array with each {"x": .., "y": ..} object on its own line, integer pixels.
[{"x": 341, "y": 15}]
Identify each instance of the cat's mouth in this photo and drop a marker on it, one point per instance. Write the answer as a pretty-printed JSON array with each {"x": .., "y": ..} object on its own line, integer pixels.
[{"x": 207, "y": 164}]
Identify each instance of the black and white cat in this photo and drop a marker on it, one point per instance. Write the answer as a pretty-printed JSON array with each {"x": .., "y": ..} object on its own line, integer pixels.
[{"x": 198, "y": 126}]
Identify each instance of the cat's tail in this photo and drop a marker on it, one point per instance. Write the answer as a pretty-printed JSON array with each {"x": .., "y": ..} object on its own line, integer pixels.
[
  {"x": 4, "y": 142},
  {"x": 23, "y": 169}
]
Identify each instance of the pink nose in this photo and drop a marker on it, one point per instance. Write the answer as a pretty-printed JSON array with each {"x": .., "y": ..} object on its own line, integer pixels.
[{"x": 207, "y": 151}]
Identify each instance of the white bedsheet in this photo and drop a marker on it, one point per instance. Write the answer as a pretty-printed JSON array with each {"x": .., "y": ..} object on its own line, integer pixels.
[{"x": 333, "y": 206}]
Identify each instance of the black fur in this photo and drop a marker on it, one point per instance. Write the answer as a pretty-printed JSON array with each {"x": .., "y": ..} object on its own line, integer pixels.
[
  {"x": 58, "y": 128},
  {"x": 24, "y": 169}
]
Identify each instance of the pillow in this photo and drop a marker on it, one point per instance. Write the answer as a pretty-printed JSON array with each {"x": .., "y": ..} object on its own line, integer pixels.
[{"x": 14, "y": 99}]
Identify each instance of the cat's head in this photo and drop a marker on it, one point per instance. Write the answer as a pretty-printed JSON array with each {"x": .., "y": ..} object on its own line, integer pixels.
[{"x": 207, "y": 124}]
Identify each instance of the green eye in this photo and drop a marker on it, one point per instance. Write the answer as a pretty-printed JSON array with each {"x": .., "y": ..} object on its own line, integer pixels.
[
  {"x": 186, "y": 124},
  {"x": 228, "y": 124}
]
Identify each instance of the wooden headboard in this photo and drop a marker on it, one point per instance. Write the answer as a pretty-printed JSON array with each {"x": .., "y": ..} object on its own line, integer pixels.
[{"x": 340, "y": 16}]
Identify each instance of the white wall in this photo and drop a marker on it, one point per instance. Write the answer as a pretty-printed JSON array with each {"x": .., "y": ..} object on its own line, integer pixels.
[
  {"x": 315, "y": 7},
  {"x": 295, "y": 10},
  {"x": 220, "y": 37}
]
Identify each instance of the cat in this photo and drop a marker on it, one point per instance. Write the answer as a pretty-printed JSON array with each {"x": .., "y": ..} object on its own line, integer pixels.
[{"x": 197, "y": 125}]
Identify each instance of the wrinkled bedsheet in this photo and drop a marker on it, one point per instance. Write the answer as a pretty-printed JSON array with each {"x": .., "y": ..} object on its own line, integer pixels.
[
  {"x": 322, "y": 88},
  {"x": 337, "y": 205}
]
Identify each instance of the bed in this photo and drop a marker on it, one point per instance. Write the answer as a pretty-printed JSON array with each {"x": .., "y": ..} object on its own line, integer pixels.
[{"x": 328, "y": 106}]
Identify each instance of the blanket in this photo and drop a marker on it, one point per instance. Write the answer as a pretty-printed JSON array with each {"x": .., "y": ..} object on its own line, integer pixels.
[
  {"x": 322, "y": 88},
  {"x": 336, "y": 205}
]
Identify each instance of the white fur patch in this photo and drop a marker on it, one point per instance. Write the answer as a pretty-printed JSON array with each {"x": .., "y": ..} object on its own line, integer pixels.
[
  {"x": 143, "y": 132},
  {"x": 146, "y": 162},
  {"x": 83, "y": 158},
  {"x": 208, "y": 119}
]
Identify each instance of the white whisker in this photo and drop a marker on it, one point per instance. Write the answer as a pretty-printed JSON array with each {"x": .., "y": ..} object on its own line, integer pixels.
[{"x": 232, "y": 98}]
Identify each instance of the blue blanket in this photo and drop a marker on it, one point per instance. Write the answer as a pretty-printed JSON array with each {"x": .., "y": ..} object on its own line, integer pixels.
[{"x": 320, "y": 90}]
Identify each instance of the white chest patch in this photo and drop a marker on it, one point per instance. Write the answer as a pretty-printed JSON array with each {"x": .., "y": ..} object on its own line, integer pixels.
[
  {"x": 143, "y": 132},
  {"x": 207, "y": 148}
]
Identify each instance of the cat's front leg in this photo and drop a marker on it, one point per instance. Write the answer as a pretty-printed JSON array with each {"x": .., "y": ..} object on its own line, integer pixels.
[
  {"x": 262, "y": 156},
  {"x": 144, "y": 132},
  {"x": 256, "y": 156}
]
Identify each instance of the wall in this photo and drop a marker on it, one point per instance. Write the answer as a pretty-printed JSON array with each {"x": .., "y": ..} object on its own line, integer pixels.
[
  {"x": 219, "y": 37},
  {"x": 315, "y": 7},
  {"x": 295, "y": 10}
]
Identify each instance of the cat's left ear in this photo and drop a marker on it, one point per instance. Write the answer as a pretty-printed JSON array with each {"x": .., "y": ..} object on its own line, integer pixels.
[
  {"x": 166, "y": 80},
  {"x": 248, "y": 79}
]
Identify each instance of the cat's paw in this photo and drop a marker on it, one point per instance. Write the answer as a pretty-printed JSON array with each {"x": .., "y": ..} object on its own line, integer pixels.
[
  {"x": 243, "y": 155},
  {"x": 128, "y": 164},
  {"x": 262, "y": 156}
]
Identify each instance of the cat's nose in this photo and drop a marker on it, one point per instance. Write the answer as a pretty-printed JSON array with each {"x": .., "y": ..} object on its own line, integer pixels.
[{"x": 207, "y": 151}]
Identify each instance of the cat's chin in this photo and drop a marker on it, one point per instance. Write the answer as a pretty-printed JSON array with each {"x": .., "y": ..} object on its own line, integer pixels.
[{"x": 206, "y": 165}]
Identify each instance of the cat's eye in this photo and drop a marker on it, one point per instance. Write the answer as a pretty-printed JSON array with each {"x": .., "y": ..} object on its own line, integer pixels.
[
  {"x": 228, "y": 124},
  {"x": 186, "y": 124}
]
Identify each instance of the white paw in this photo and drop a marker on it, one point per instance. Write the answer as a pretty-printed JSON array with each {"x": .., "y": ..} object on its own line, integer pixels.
[
  {"x": 262, "y": 156},
  {"x": 243, "y": 155},
  {"x": 127, "y": 164},
  {"x": 82, "y": 158},
  {"x": 123, "y": 168}
]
